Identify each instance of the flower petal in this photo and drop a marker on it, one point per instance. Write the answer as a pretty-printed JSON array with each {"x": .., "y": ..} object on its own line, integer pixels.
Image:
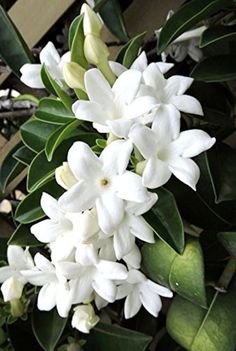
[
  {"x": 82, "y": 288},
  {"x": 90, "y": 111},
  {"x": 49, "y": 55},
  {"x": 120, "y": 127},
  {"x": 144, "y": 139},
  {"x": 123, "y": 240},
  {"x": 150, "y": 300},
  {"x": 140, "y": 229},
  {"x": 159, "y": 289},
  {"x": 188, "y": 104},
  {"x": 126, "y": 86},
  {"x": 153, "y": 77},
  {"x": 166, "y": 123},
  {"x": 140, "y": 106},
  {"x": 47, "y": 297},
  {"x": 129, "y": 187},
  {"x": 177, "y": 85},
  {"x": 50, "y": 206},
  {"x": 164, "y": 66},
  {"x": 133, "y": 259},
  {"x": 47, "y": 230},
  {"x": 156, "y": 173},
  {"x": 104, "y": 288},
  {"x": 112, "y": 270},
  {"x": 30, "y": 75},
  {"x": 138, "y": 209},
  {"x": 186, "y": 170},
  {"x": 132, "y": 304},
  {"x": 117, "y": 68},
  {"x": 63, "y": 300},
  {"x": 140, "y": 63},
  {"x": 16, "y": 257}
]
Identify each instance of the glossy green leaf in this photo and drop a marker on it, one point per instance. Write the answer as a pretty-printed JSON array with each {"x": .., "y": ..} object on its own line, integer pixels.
[
  {"x": 10, "y": 168},
  {"x": 55, "y": 88},
  {"x": 48, "y": 327},
  {"x": 23, "y": 237},
  {"x": 114, "y": 338},
  {"x": 198, "y": 329},
  {"x": 13, "y": 50},
  {"x": 35, "y": 134},
  {"x": 24, "y": 155},
  {"x": 165, "y": 220},
  {"x": 112, "y": 16},
  {"x": 53, "y": 111},
  {"x": 188, "y": 16},
  {"x": 219, "y": 68},
  {"x": 76, "y": 40},
  {"x": 183, "y": 274},
  {"x": 218, "y": 33},
  {"x": 228, "y": 240},
  {"x": 58, "y": 136},
  {"x": 46, "y": 81},
  {"x": 29, "y": 210},
  {"x": 130, "y": 51},
  {"x": 27, "y": 97}
]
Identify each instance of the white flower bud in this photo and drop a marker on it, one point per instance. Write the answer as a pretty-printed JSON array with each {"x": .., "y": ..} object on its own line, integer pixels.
[
  {"x": 84, "y": 318},
  {"x": 95, "y": 50},
  {"x": 64, "y": 176},
  {"x": 92, "y": 23},
  {"x": 74, "y": 75},
  {"x": 12, "y": 289}
]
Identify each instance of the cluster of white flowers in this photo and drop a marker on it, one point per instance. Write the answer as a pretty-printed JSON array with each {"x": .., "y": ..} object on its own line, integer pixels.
[{"x": 92, "y": 230}]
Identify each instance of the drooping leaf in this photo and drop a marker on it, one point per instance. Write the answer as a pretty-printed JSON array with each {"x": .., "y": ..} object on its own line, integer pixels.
[
  {"x": 114, "y": 338},
  {"x": 53, "y": 111},
  {"x": 228, "y": 240},
  {"x": 183, "y": 274},
  {"x": 35, "y": 134},
  {"x": 130, "y": 51},
  {"x": 27, "y": 97},
  {"x": 198, "y": 329},
  {"x": 24, "y": 155},
  {"x": 13, "y": 49},
  {"x": 10, "y": 168},
  {"x": 188, "y": 16},
  {"x": 48, "y": 327},
  {"x": 76, "y": 41},
  {"x": 218, "y": 33},
  {"x": 23, "y": 237},
  {"x": 29, "y": 210},
  {"x": 219, "y": 68},
  {"x": 165, "y": 220},
  {"x": 112, "y": 16}
]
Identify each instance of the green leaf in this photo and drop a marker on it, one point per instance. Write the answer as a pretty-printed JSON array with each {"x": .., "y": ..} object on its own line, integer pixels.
[
  {"x": 183, "y": 274},
  {"x": 24, "y": 155},
  {"x": 114, "y": 338},
  {"x": 219, "y": 68},
  {"x": 76, "y": 41},
  {"x": 228, "y": 240},
  {"x": 29, "y": 210},
  {"x": 165, "y": 220},
  {"x": 56, "y": 89},
  {"x": 3, "y": 249},
  {"x": 47, "y": 327},
  {"x": 13, "y": 51},
  {"x": 46, "y": 81},
  {"x": 27, "y": 97},
  {"x": 58, "y": 136},
  {"x": 188, "y": 16},
  {"x": 10, "y": 168},
  {"x": 197, "y": 329},
  {"x": 23, "y": 237},
  {"x": 112, "y": 16},
  {"x": 35, "y": 134},
  {"x": 53, "y": 111},
  {"x": 130, "y": 51},
  {"x": 218, "y": 33}
]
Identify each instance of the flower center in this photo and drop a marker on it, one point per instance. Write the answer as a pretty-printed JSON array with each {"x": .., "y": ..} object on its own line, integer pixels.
[{"x": 104, "y": 182}]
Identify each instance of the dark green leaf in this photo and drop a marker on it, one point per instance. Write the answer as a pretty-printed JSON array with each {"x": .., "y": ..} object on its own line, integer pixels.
[
  {"x": 10, "y": 168},
  {"x": 112, "y": 16},
  {"x": 188, "y": 16},
  {"x": 106, "y": 337},
  {"x": 228, "y": 240},
  {"x": 165, "y": 220},
  {"x": 23, "y": 237},
  {"x": 53, "y": 111},
  {"x": 13, "y": 49},
  {"x": 76, "y": 40},
  {"x": 183, "y": 274},
  {"x": 48, "y": 327},
  {"x": 3, "y": 249},
  {"x": 217, "y": 33},
  {"x": 24, "y": 155},
  {"x": 130, "y": 51},
  {"x": 197, "y": 329},
  {"x": 29, "y": 210},
  {"x": 219, "y": 68},
  {"x": 35, "y": 134},
  {"x": 46, "y": 81}
]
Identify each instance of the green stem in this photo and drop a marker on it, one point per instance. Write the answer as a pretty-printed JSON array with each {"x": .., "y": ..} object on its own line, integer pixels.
[
  {"x": 107, "y": 72},
  {"x": 227, "y": 274}
]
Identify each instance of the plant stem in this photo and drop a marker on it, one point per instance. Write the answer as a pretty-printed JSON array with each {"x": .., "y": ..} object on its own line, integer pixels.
[{"x": 227, "y": 275}]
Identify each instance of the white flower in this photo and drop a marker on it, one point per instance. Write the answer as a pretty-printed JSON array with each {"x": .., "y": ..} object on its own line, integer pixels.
[
  {"x": 64, "y": 176},
  {"x": 53, "y": 62},
  {"x": 168, "y": 151},
  {"x": 84, "y": 318},
  {"x": 103, "y": 182},
  {"x": 55, "y": 291},
  {"x": 139, "y": 291},
  {"x": 108, "y": 104},
  {"x": 11, "y": 277}
]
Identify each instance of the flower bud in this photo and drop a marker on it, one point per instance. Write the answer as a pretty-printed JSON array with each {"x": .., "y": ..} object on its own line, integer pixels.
[
  {"x": 92, "y": 23},
  {"x": 74, "y": 75},
  {"x": 12, "y": 289},
  {"x": 17, "y": 308},
  {"x": 95, "y": 50},
  {"x": 64, "y": 176},
  {"x": 140, "y": 167},
  {"x": 84, "y": 318}
]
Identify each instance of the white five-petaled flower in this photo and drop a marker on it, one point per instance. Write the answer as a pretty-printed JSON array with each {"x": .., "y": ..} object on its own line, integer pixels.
[
  {"x": 53, "y": 62},
  {"x": 167, "y": 151},
  {"x": 103, "y": 182},
  {"x": 108, "y": 105},
  {"x": 11, "y": 277},
  {"x": 139, "y": 291},
  {"x": 84, "y": 318}
]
